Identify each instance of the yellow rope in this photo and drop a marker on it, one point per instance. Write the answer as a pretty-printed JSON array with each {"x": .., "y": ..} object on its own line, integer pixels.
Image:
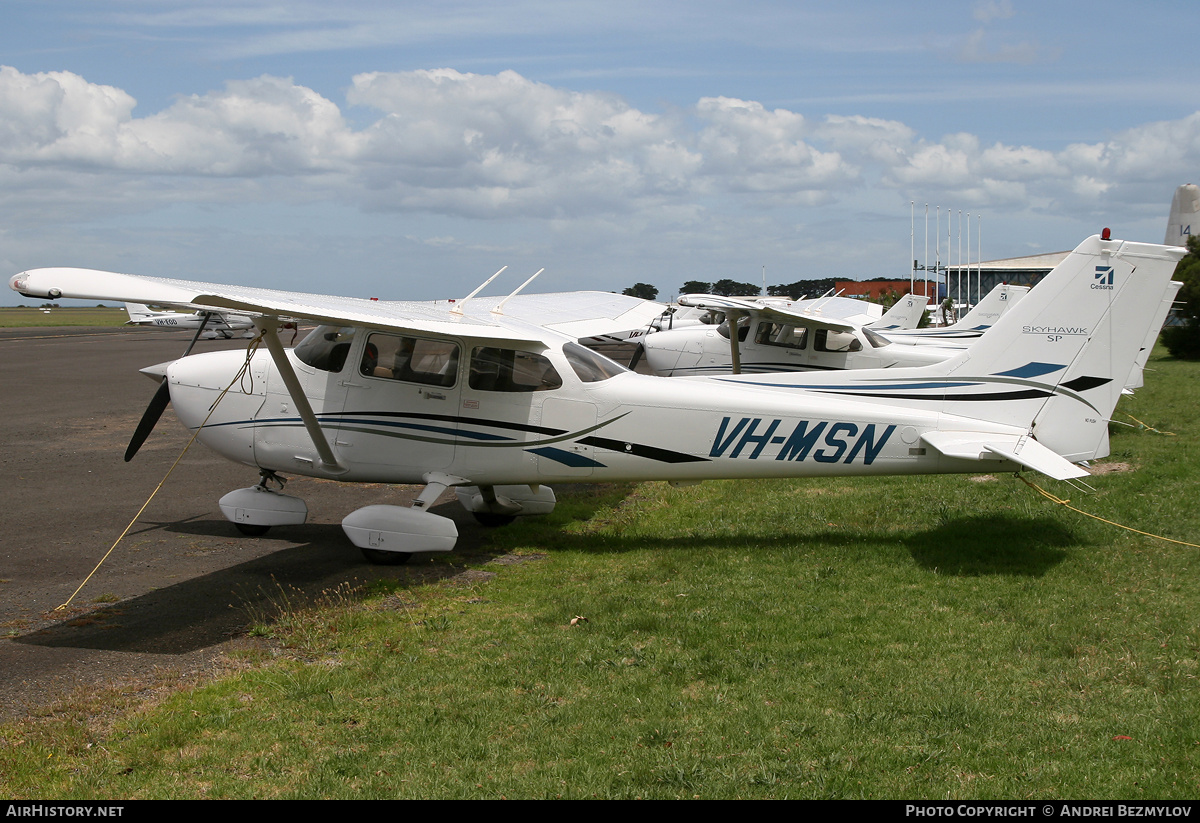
[
  {"x": 251, "y": 348},
  {"x": 1067, "y": 503},
  {"x": 1148, "y": 427}
]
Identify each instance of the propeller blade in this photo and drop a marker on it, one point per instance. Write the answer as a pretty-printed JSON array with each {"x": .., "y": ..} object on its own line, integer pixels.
[
  {"x": 637, "y": 357},
  {"x": 158, "y": 404}
]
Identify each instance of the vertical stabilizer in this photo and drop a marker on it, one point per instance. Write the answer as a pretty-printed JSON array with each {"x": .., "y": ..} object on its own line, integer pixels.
[
  {"x": 1184, "y": 220},
  {"x": 905, "y": 313},
  {"x": 1059, "y": 359}
]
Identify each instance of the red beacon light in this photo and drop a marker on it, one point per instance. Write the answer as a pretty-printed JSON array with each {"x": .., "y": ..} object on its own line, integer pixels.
[{"x": 1106, "y": 234}]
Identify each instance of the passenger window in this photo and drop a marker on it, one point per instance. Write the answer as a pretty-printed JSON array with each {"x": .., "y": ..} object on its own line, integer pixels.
[
  {"x": 781, "y": 334},
  {"x": 836, "y": 341},
  {"x": 509, "y": 370},
  {"x": 410, "y": 360}
]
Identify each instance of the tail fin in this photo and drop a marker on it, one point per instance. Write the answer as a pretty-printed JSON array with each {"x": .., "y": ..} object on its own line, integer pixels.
[
  {"x": 905, "y": 313},
  {"x": 137, "y": 311},
  {"x": 1184, "y": 219},
  {"x": 1056, "y": 363},
  {"x": 986, "y": 312}
]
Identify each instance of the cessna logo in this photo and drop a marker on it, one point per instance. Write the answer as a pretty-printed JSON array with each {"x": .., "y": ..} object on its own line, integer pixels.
[
  {"x": 839, "y": 442},
  {"x": 1104, "y": 277}
]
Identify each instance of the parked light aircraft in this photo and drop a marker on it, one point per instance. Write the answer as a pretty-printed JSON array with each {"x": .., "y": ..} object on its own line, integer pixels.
[
  {"x": 498, "y": 406},
  {"x": 982, "y": 316},
  {"x": 773, "y": 337},
  {"x": 214, "y": 324}
]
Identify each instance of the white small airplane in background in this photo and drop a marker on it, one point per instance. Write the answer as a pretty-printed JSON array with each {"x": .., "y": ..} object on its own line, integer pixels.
[
  {"x": 214, "y": 324},
  {"x": 982, "y": 316},
  {"x": 782, "y": 336},
  {"x": 499, "y": 403}
]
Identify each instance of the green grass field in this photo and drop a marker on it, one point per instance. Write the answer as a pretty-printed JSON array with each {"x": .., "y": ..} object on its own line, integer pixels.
[
  {"x": 942, "y": 637},
  {"x": 14, "y": 318}
]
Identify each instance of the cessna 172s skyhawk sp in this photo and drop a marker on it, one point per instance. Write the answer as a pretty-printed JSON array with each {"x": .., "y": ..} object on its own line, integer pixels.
[
  {"x": 499, "y": 407},
  {"x": 212, "y": 324}
]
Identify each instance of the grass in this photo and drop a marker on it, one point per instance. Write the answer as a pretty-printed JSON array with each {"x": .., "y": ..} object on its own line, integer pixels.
[
  {"x": 13, "y": 318},
  {"x": 942, "y": 637}
]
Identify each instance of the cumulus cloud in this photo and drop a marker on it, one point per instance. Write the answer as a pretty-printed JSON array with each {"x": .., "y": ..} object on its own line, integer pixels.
[{"x": 486, "y": 146}]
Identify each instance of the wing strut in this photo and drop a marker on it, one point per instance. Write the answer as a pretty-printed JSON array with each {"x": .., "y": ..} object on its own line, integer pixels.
[
  {"x": 735, "y": 345},
  {"x": 269, "y": 327}
]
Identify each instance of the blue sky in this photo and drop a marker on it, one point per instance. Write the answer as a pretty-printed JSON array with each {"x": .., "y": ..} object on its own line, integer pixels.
[{"x": 408, "y": 150}]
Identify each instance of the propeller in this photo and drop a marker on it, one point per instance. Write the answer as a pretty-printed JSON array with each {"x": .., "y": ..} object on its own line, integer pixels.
[
  {"x": 158, "y": 403},
  {"x": 637, "y": 356}
]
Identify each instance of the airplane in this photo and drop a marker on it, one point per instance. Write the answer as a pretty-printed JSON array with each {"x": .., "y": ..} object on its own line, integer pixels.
[
  {"x": 1184, "y": 215},
  {"x": 497, "y": 406},
  {"x": 784, "y": 339},
  {"x": 982, "y": 316},
  {"x": 904, "y": 314},
  {"x": 212, "y": 324}
]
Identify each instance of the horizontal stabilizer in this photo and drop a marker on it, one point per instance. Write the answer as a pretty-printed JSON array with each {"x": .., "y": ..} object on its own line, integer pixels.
[{"x": 1023, "y": 450}]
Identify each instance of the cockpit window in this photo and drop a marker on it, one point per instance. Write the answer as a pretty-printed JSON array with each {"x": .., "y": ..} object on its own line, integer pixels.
[
  {"x": 410, "y": 359},
  {"x": 326, "y": 347},
  {"x": 589, "y": 366},
  {"x": 510, "y": 370},
  {"x": 743, "y": 328}
]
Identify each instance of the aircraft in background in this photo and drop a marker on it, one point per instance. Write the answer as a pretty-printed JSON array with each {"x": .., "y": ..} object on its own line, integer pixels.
[
  {"x": 214, "y": 324},
  {"x": 500, "y": 403},
  {"x": 782, "y": 336},
  {"x": 982, "y": 316},
  {"x": 1184, "y": 218}
]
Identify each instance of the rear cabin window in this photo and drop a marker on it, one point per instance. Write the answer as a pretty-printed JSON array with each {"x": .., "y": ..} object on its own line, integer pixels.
[
  {"x": 510, "y": 370},
  {"x": 326, "y": 347},
  {"x": 410, "y": 360}
]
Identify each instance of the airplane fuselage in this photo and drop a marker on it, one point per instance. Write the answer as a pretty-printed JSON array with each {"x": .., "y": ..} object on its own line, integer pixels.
[
  {"x": 624, "y": 427},
  {"x": 768, "y": 346}
]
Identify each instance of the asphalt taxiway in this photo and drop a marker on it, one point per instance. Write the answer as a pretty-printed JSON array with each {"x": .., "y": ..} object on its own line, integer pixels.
[{"x": 184, "y": 584}]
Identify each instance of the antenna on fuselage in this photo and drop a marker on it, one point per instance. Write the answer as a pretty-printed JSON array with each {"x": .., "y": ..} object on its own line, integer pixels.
[
  {"x": 499, "y": 307},
  {"x": 458, "y": 307}
]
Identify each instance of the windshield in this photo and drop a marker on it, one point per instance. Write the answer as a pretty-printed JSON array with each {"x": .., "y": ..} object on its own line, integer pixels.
[
  {"x": 589, "y": 366},
  {"x": 326, "y": 347}
]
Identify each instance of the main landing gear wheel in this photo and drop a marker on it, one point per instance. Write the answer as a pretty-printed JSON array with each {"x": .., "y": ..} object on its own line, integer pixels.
[
  {"x": 491, "y": 520},
  {"x": 251, "y": 529},
  {"x": 382, "y": 558}
]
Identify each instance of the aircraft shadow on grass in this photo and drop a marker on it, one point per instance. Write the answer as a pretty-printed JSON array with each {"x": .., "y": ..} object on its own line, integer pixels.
[
  {"x": 966, "y": 546},
  {"x": 207, "y": 610}
]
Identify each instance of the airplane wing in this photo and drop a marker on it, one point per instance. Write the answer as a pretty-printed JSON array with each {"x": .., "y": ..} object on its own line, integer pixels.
[
  {"x": 774, "y": 312},
  {"x": 521, "y": 318}
]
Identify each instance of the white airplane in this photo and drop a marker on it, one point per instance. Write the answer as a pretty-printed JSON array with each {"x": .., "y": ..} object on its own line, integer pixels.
[
  {"x": 904, "y": 314},
  {"x": 779, "y": 337},
  {"x": 212, "y": 324},
  {"x": 1184, "y": 218},
  {"x": 498, "y": 407},
  {"x": 982, "y": 316}
]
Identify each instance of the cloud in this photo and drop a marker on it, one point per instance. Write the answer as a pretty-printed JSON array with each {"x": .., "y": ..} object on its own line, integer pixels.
[
  {"x": 501, "y": 146},
  {"x": 985, "y": 11}
]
